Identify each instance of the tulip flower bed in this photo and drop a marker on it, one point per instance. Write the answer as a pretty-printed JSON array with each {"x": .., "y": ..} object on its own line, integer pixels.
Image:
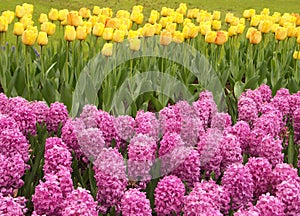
[{"x": 189, "y": 160}]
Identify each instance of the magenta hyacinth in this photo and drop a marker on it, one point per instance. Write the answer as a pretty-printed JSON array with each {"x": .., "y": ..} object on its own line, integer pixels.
[
  {"x": 266, "y": 93},
  {"x": 125, "y": 127},
  {"x": 270, "y": 205},
  {"x": 261, "y": 171},
  {"x": 281, "y": 101},
  {"x": 57, "y": 115},
  {"x": 251, "y": 211},
  {"x": 170, "y": 119},
  {"x": 255, "y": 95},
  {"x": 3, "y": 103},
  {"x": 270, "y": 122},
  {"x": 88, "y": 116},
  {"x": 13, "y": 104},
  {"x": 80, "y": 202},
  {"x": 247, "y": 110},
  {"x": 169, "y": 196},
  {"x": 237, "y": 180},
  {"x": 40, "y": 110},
  {"x": 7, "y": 122},
  {"x": 296, "y": 125},
  {"x": 10, "y": 206},
  {"x": 105, "y": 122},
  {"x": 147, "y": 124}
]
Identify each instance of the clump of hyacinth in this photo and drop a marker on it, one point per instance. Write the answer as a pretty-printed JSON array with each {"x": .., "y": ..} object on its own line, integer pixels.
[
  {"x": 3, "y": 102},
  {"x": 191, "y": 126},
  {"x": 125, "y": 127},
  {"x": 270, "y": 205},
  {"x": 265, "y": 92},
  {"x": 13, "y": 104},
  {"x": 135, "y": 202},
  {"x": 230, "y": 150},
  {"x": 170, "y": 119},
  {"x": 169, "y": 196},
  {"x": 294, "y": 102},
  {"x": 210, "y": 152},
  {"x": 271, "y": 149},
  {"x": 247, "y": 110},
  {"x": 91, "y": 142},
  {"x": 250, "y": 211},
  {"x": 56, "y": 154},
  {"x": 56, "y": 117},
  {"x": 105, "y": 122},
  {"x": 221, "y": 121},
  {"x": 296, "y": 125},
  {"x": 141, "y": 156},
  {"x": 281, "y": 101},
  {"x": 282, "y": 172},
  {"x": 12, "y": 169},
  {"x": 205, "y": 107},
  {"x": 12, "y": 141},
  {"x": 261, "y": 171},
  {"x": 88, "y": 116},
  {"x": 80, "y": 202},
  {"x": 10, "y": 206},
  {"x": 237, "y": 180},
  {"x": 255, "y": 140},
  {"x": 40, "y": 110},
  {"x": 255, "y": 95},
  {"x": 241, "y": 130},
  {"x": 289, "y": 193},
  {"x": 7, "y": 122},
  {"x": 147, "y": 124},
  {"x": 110, "y": 175}
]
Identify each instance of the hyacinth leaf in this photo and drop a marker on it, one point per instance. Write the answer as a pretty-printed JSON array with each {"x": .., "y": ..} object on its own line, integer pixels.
[
  {"x": 238, "y": 89},
  {"x": 252, "y": 83},
  {"x": 292, "y": 85},
  {"x": 66, "y": 95}
]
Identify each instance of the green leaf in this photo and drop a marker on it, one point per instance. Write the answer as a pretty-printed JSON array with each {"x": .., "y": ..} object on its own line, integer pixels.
[
  {"x": 238, "y": 89},
  {"x": 66, "y": 95}
]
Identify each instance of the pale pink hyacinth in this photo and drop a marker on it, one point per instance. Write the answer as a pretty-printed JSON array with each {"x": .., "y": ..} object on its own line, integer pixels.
[
  {"x": 56, "y": 117},
  {"x": 221, "y": 121},
  {"x": 125, "y": 127},
  {"x": 147, "y": 124},
  {"x": 88, "y": 116}
]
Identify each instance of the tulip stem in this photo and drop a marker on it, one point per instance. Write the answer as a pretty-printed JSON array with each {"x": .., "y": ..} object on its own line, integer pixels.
[{"x": 42, "y": 67}]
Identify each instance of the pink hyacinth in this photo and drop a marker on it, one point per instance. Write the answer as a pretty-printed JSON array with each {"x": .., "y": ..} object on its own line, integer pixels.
[
  {"x": 169, "y": 142},
  {"x": 261, "y": 171},
  {"x": 124, "y": 126},
  {"x": 294, "y": 102},
  {"x": 10, "y": 206},
  {"x": 169, "y": 196},
  {"x": 205, "y": 108},
  {"x": 3, "y": 103},
  {"x": 170, "y": 119},
  {"x": 247, "y": 110},
  {"x": 134, "y": 202},
  {"x": 88, "y": 116},
  {"x": 255, "y": 95},
  {"x": 147, "y": 124},
  {"x": 296, "y": 125},
  {"x": 105, "y": 123},
  {"x": 255, "y": 140},
  {"x": 281, "y": 101},
  {"x": 266, "y": 93},
  {"x": 7, "y": 122},
  {"x": 40, "y": 110},
  {"x": 221, "y": 121},
  {"x": 237, "y": 180},
  {"x": 251, "y": 211},
  {"x": 270, "y": 122},
  {"x": 13, "y": 104},
  {"x": 57, "y": 115},
  {"x": 270, "y": 205},
  {"x": 80, "y": 202}
]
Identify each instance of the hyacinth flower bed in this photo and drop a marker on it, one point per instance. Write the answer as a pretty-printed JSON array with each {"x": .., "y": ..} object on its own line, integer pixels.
[{"x": 187, "y": 160}]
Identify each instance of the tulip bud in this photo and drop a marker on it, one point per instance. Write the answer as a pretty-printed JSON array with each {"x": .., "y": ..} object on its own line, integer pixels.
[
  {"x": 296, "y": 55},
  {"x": 232, "y": 31},
  {"x": 228, "y": 17},
  {"x": 255, "y": 37},
  {"x": 53, "y": 14},
  {"x": 18, "y": 28},
  {"x": 134, "y": 44},
  {"x": 108, "y": 34},
  {"x": 98, "y": 29},
  {"x": 70, "y": 33},
  {"x": 29, "y": 37},
  {"x": 165, "y": 38},
  {"x": 107, "y": 49},
  {"x": 43, "y": 18},
  {"x": 42, "y": 39},
  {"x": 88, "y": 26},
  {"x": 255, "y": 20},
  {"x": 81, "y": 33},
  {"x": 210, "y": 37},
  {"x": 28, "y": 8},
  {"x": 281, "y": 33},
  {"x": 240, "y": 28}
]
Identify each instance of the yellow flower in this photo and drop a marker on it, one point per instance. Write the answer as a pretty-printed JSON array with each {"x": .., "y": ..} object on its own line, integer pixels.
[
  {"x": 216, "y": 24},
  {"x": 165, "y": 38},
  {"x": 118, "y": 36},
  {"x": 249, "y": 13},
  {"x": 276, "y": 16},
  {"x": 20, "y": 11},
  {"x": 108, "y": 34},
  {"x": 123, "y": 14},
  {"x": 27, "y": 21},
  {"x": 62, "y": 14},
  {"x": 166, "y": 11},
  {"x": 280, "y": 33},
  {"x": 53, "y": 14},
  {"x": 240, "y": 28},
  {"x": 148, "y": 30},
  {"x": 291, "y": 30},
  {"x": 93, "y": 19},
  {"x": 107, "y": 49},
  {"x": 255, "y": 20},
  {"x": 298, "y": 39},
  {"x": 204, "y": 28},
  {"x": 178, "y": 18},
  {"x": 133, "y": 34},
  {"x": 171, "y": 27},
  {"x": 265, "y": 26},
  {"x": 98, "y": 29},
  {"x": 81, "y": 33},
  {"x": 137, "y": 17},
  {"x": 249, "y": 32},
  {"x": 210, "y": 36},
  {"x": 274, "y": 27},
  {"x": 154, "y": 16},
  {"x": 235, "y": 21},
  {"x": 255, "y": 37},
  {"x": 228, "y": 17},
  {"x": 84, "y": 12},
  {"x": 265, "y": 11},
  {"x": 3, "y": 24},
  {"x": 18, "y": 28},
  {"x": 70, "y": 33},
  {"x": 88, "y": 26},
  {"x": 28, "y": 8},
  {"x": 29, "y": 37},
  {"x": 107, "y": 12},
  {"x": 232, "y": 31},
  {"x": 192, "y": 13},
  {"x": 158, "y": 28},
  {"x": 221, "y": 38},
  {"x": 43, "y": 18},
  {"x": 97, "y": 10},
  {"x": 134, "y": 44},
  {"x": 178, "y": 37},
  {"x": 74, "y": 19},
  {"x": 296, "y": 55},
  {"x": 48, "y": 27},
  {"x": 42, "y": 39},
  {"x": 113, "y": 23},
  {"x": 182, "y": 9},
  {"x": 9, "y": 15},
  {"x": 216, "y": 15},
  {"x": 138, "y": 8}
]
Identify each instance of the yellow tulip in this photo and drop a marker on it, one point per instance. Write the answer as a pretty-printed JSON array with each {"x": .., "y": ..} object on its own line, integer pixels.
[
  {"x": 107, "y": 12},
  {"x": 204, "y": 28},
  {"x": 134, "y": 44},
  {"x": 192, "y": 13},
  {"x": 138, "y": 8},
  {"x": 186, "y": 21},
  {"x": 154, "y": 16},
  {"x": 265, "y": 26},
  {"x": 28, "y": 8},
  {"x": 118, "y": 36},
  {"x": 281, "y": 33},
  {"x": 265, "y": 11},
  {"x": 216, "y": 24},
  {"x": 133, "y": 34},
  {"x": 228, "y": 17},
  {"x": 276, "y": 16},
  {"x": 93, "y": 19},
  {"x": 70, "y": 33},
  {"x": 296, "y": 55},
  {"x": 158, "y": 28},
  {"x": 42, "y": 39},
  {"x": 255, "y": 20},
  {"x": 123, "y": 14},
  {"x": 63, "y": 14},
  {"x": 97, "y": 10},
  {"x": 210, "y": 36},
  {"x": 249, "y": 32},
  {"x": 182, "y": 9},
  {"x": 20, "y": 11},
  {"x": 216, "y": 15},
  {"x": 234, "y": 21},
  {"x": 48, "y": 27},
  {"x": 148, "y": 30},
  {"x": 179, "y": 18},
  {"x": 140, "y": 19},
  {"x": 43, "y": 18},
  {"x": 74, "y": 19},
  {"x": 242, "y": 21},
  {"x": 165, "y": 38},
  {"x": 291, "y": 30},
  {"x": 88, "y": 26},
  {"x": 255, "y": 37},
  {"x": 108, "y": 34},
  {"x": 221, "y": 38},
  {"x": 240, "y": 28},
  {"x": 232, "y": 31},
  {"x": 84, "y": 12},
  {"x": 9, "y": 15},
  {"x": 53, "y": 14},
  {"x": 81, "y": 33},
  {"x": 3, "y": 24},
  {"x": 136, "y": 17},
  {"x": 274, "y": 27},
  {"x": 27, "y": 21},
  {"x": 64, "y": 22},
  {"x": 166, "y": 11},
  {"x": 113, "y": 23},
  {"x": 18, "y": 28},
  {"x": 98, "y": 29},
  {"x": 107, "y": 49},
  {"x": 33, "y": 28},
  {"x": 29, "y": 37},
  {"x": 171, "y": 27},
  {"x": 178, "y": 37},
  {"x": 298, "y": 40}
]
